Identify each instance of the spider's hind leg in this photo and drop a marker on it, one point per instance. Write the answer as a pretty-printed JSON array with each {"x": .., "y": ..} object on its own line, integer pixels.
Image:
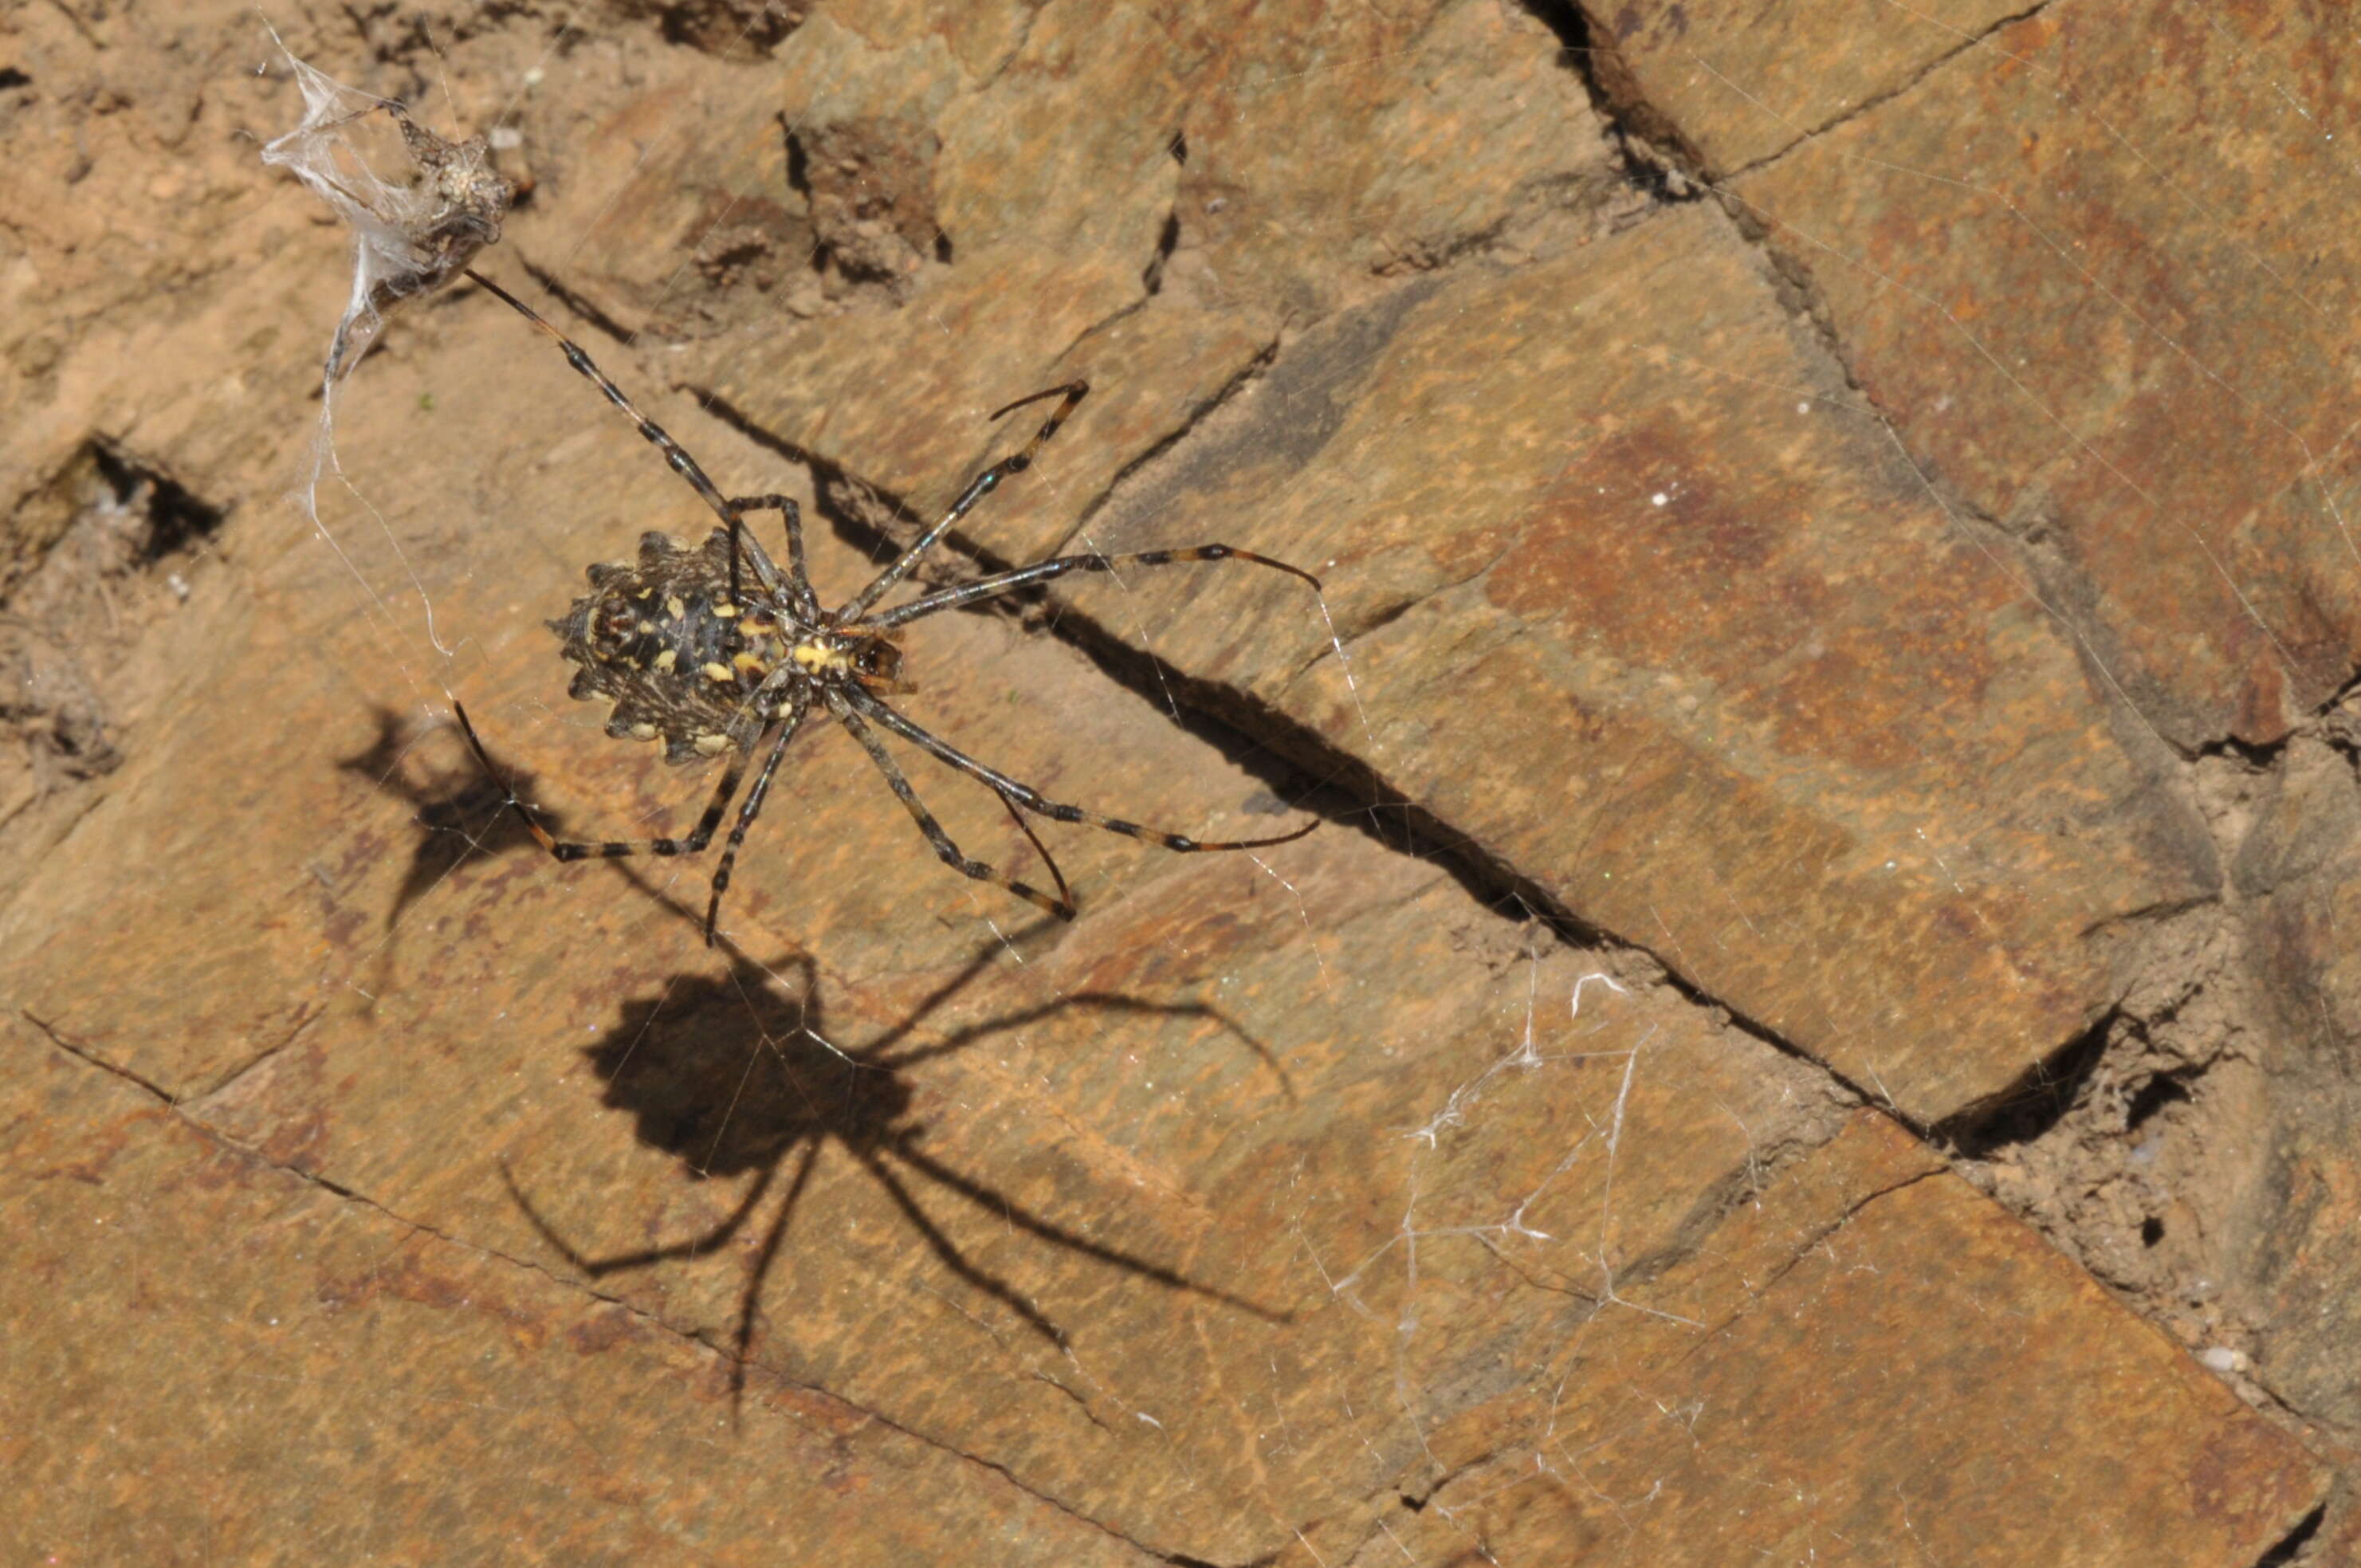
[
  {"x": 610, "y": 848},
  {"x": 799, "y": 706}
]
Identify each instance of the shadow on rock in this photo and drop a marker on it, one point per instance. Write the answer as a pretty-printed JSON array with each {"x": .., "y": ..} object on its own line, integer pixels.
[
  {"x": 459, "y": 813},
  {"x": 735, "y": 1073}
]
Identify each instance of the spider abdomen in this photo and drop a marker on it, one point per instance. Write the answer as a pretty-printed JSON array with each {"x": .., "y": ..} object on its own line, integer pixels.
[{"x": 663, "y": 641}]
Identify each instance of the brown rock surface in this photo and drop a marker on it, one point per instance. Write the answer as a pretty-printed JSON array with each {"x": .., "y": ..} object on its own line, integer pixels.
[
  {"x": 1838, "y": 811},
  {"x": 2178, "y": 471}
]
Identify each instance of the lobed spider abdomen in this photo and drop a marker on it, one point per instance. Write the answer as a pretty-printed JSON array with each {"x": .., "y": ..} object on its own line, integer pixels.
[
  {"x": 681, "y": 660},
  {"x": 710, "y": 650}
]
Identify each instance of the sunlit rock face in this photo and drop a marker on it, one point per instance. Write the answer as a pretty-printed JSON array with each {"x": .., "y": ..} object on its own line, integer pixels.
[{"x": 1824, "y": 703}]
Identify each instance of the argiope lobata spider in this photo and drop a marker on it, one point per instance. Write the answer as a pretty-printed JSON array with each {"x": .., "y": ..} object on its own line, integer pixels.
[{"x": 692, "y": 653}]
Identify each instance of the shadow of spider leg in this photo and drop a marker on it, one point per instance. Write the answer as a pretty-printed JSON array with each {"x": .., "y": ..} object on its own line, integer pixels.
[
  {"x": 456, "y": 815},
  {"x": 730, "y": 1076},
  {"x": 459, "y": 813}
]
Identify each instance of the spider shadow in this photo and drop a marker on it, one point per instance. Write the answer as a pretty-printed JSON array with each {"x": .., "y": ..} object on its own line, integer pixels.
[
  {"x": 473, "y": 815},
  {"x": 459, "y": 815},
  {"x": 463, "y": 814},
  {"x": 729, "y": 1075}
]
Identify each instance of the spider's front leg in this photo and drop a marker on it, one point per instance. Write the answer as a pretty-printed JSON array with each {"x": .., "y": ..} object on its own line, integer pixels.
[
  {"x": 798, "y": 572},
  {"x": 675, "y": 456},
  {"x": 1069, "y": 397}
]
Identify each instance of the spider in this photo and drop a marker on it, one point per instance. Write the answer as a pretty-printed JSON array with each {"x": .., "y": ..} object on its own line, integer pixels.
[
  {"x": 711, "y": 649},
  {"x": 413, "y": 240},
  {"x": 466, "y": 199}
]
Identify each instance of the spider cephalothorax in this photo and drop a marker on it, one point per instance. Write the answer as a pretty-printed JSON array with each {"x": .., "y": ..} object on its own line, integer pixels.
[
  {"x": 867, "y": 659},
  {"x": 711, "y": 649}
]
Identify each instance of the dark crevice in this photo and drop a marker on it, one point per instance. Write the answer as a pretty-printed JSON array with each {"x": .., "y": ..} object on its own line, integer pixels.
[
  {"x": 10, "y": 77},
  {"x": 175, "y": 518},
  {"x": 2147, "y": 914},
  {"x": 2291, "y": 1545},
  {"x": 1296, "y": 764},
  {"x": 2338, "y": 724},
  {"x": 65, "y": 634},
  {"x": 2037, "y": 1101},
  {"x": 1312, "y": 774},
  {"x": 2260, "y": 756},
  {"x": 727, "y": 30},
  {"x": 1657, "y": 160},
  {"x": 99, "y": 1062},
  {"x": 798, "y": 163},
  {"x": 2165, "y": 1088},
  {"x": 1168, "y": 240}
]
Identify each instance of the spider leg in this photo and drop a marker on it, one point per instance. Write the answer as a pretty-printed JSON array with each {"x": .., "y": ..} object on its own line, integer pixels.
[
  {"x": 945, "y": 850},
  {"x": 1070, "y": 396},
  {"x": 571, "y": 849},
  {"x": 1065, "y": 894},
  {"x": 426, "y": 149},
  {"x": 793, "y": 516},
  {"x": 1045, "y": 571},
  {"x": 675, "y": 454},
  {"x": 799, "y": 704},
  {"x": 1034, "y": 801}
]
